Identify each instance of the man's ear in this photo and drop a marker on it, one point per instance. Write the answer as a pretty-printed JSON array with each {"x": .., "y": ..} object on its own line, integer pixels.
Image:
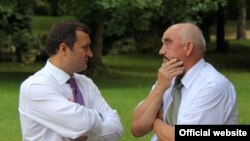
[
  {"x": 63, "y": 48},
  {"x": 189, "y": 48}
]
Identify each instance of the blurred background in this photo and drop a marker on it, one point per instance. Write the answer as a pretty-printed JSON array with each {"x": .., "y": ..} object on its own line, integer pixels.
[{"x": 126, "y": 38}]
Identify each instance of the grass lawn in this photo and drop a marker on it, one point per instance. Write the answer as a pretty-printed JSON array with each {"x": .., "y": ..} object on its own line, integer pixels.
[
  {"x": 42, "y": 24},
  {"x": 120, "y": 90}
]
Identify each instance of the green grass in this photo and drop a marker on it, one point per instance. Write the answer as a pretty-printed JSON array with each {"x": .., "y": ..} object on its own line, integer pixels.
[
  {"x": 9, "y": 120},
  {"x": 42, "y": 24},
  {"x": 241, "y": 83},
  {"x": 133, "y": 76}
]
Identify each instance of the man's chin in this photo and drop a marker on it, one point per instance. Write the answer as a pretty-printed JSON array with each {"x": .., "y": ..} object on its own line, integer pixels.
[
  {"x": 82, "y": 69},
  {"x": 85, "y": 69}
]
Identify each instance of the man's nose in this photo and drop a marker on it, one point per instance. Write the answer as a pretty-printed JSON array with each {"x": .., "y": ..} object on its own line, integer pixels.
[
  {"x": 162, "y": 50},
  {"x": 89, "y": 53}
]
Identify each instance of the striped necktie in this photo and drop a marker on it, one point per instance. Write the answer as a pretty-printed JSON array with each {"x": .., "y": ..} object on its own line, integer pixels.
[{"x": 172, "y": 113}]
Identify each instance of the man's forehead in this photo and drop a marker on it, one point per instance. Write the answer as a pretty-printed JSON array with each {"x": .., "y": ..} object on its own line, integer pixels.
[
  {"x": 166, "y": 37},
  {"x": 172, "y": 28}
]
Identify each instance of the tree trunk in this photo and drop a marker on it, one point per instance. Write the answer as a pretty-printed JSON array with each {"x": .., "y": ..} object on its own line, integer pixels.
[
  {"x": 220, "y": 33},
  {"x": 241, "y": 20},
  {"x": 208, "y": 19},
  {"x": 96, "y": 66},
  {"x": 54, "y": 7},
  {"x": 205, "y": 30}
]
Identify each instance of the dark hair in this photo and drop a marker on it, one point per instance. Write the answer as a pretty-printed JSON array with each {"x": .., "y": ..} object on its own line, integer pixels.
[{"x": 64, "y": 32}]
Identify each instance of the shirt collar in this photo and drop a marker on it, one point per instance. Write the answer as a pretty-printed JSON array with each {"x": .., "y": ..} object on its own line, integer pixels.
[
  {"x": 61, "y": 76},
  {"x": 191, "y": 74}
]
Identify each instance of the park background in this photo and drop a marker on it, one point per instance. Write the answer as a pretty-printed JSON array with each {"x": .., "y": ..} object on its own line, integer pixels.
[{"x": 126, "y": 37}]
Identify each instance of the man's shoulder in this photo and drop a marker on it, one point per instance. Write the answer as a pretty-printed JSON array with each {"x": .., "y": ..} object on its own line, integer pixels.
[
  {"x": 211, "y": 72},
  {"x": 213, "y": 77},
  {"x": 83, "y": 78},
  {"x": 36, "y": 78}
]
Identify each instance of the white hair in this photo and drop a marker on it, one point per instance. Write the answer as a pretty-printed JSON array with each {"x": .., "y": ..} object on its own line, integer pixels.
[{"x": 191, "y": 32}]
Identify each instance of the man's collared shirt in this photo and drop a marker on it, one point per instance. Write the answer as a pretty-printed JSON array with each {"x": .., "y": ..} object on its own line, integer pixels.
[
  {"x": 207, "y": 97},
  {"x": 48, "y": 114}
]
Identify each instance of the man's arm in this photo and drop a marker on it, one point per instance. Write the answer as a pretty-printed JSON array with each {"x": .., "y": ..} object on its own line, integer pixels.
[
  {"x": 163, "y": 131},
  {"x": 111, "y": 127},
  {"x": 146, "y": 112}
]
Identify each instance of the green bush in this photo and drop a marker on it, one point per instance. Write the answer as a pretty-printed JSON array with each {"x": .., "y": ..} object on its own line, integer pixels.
[{"x": 27, "y": 46}]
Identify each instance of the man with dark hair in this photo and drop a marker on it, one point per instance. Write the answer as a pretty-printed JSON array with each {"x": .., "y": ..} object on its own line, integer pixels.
[{"x": 57, "y": 103}]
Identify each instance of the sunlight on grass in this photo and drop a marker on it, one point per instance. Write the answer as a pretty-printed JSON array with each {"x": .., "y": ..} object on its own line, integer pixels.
[
  {"x": 42, "y": 24},
  {"x": 241, "y": 83}
]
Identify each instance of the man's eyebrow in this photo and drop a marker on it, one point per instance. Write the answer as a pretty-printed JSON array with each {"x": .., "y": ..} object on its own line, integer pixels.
[{"x": 168, "y": 40}]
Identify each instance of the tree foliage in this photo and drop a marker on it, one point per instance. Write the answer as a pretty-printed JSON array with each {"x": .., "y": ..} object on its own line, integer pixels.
[
  {"x": 115, "y": 18},
  {"x": 112, "y": 20},
  {"x": 201, "y": 12},
  {"x": 137, "y": 18},
  {"x": 190, "y": 10},
  {"x": 15, "y": 19},
  {"x": 120, "y": 17}
]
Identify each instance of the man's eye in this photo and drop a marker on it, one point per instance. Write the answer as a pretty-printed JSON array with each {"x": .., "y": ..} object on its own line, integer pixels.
[{"x": 85, "y": 47}]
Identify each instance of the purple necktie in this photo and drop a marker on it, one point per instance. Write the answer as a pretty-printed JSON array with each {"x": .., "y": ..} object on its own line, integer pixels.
[{"x": 76, "y": 92}]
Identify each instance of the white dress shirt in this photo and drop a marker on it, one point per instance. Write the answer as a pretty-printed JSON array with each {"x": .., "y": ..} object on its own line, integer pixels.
[
  {"x": 47, "y": 114},
  {"x": 207, "y": 97}
]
